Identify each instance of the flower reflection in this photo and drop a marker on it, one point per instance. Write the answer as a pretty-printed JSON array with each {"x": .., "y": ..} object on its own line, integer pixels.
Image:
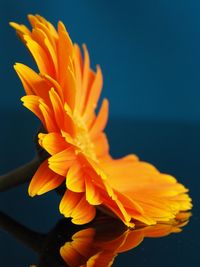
[
  {"x": 93, "y": 245},
  {"x": 99, "y": 245}
]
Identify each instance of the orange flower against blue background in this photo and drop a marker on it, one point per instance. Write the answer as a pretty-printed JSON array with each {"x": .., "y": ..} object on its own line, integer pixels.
[{"x": 64, "y": 94}]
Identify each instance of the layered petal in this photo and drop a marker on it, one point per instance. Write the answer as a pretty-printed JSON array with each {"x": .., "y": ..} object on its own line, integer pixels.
[{"x": 158, "y": 195}]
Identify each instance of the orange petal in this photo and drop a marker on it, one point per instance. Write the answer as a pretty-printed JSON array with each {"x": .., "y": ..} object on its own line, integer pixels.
[
  {"x": 21, "y": 29},
  {"x": 49, "y": 119},
  {"x": 94, "y": 94},
  {"x": 74, "y": 205},
  {"x": 101, "y": 145},
  {"x": 75, "y": 180},
  {"x": 39, "y": 55},
  {"x": 92, "y": 193},
  {"x": 32, "y": 103},
  {"x": 71, "y": 257},
  {"x": 64, "y": 122},
  {"x": 85, "y": 79},
  {"x": 111, "y": 203},
  {"x": 75, "y": 252},
  {"x": 37, "y": 18},
  {"x": 145, "y": 185},
  {"x": 102, "y": 258},
  {"x": 39, "y": 36},
  {"x": 53, "y": 84},
  {"x": 69, "y": 202},
  {"x": 65, "y": 46},
  {"x": 100, "y": 121},
  {"x": 53, "y": 143},
  {"x": 62, "y": 161},
  {"x": 86, "y": 68},
  {"x": 32, "y": 82},
  {"x": 44, "y": 180},
  {"x": 49, "y": 44},
  {"x": 132, "y": 240},
  {"x": 78, "y": 73}
]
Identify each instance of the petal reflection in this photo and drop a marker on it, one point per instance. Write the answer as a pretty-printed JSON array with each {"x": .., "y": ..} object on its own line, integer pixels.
[{"x": 99, "y": 244}]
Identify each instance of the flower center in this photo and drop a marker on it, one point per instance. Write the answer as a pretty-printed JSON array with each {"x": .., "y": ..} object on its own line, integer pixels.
[{"x": 82, "y": 139}]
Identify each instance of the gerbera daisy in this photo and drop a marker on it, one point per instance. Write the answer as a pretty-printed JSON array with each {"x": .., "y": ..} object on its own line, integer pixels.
[{"x": 64, "y": 94}]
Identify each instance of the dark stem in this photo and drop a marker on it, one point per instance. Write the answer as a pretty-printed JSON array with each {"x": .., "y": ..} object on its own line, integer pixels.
[{"x": 19, "y": 176}]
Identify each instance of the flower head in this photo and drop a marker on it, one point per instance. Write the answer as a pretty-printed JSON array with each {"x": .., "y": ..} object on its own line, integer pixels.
[{"x": 64, "y": 94}]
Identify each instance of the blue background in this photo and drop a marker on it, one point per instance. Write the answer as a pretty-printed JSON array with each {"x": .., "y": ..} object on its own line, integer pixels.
[{"x": 149, "y": 52}]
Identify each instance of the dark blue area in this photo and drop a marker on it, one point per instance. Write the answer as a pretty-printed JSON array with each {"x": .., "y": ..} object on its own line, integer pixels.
[{"x": 148, "y": 50}]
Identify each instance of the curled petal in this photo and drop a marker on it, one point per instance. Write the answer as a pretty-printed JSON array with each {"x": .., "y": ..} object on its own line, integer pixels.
[{"x": 44, "y": 180}]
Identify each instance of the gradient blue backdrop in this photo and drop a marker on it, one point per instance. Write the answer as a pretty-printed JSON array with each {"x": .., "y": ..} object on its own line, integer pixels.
[{"x": 149, "y": 52}]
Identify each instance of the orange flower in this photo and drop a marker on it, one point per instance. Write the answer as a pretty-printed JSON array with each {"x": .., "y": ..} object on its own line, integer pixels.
[
  {"x": 64, "y": 96},
  {"x": 99, "y": 244}
]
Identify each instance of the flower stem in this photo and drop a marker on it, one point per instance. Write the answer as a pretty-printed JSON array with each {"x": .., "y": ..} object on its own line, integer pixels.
[
  {"x": 29, "y": 237},
  {"x": 19, "y": 176}
]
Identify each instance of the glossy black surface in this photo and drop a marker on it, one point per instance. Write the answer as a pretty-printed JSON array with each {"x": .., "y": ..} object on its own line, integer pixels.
[{"x": 172, "y": 147}]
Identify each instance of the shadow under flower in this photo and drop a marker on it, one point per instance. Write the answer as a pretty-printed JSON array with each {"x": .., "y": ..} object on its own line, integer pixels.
[{"x": 95, "y": 244}]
